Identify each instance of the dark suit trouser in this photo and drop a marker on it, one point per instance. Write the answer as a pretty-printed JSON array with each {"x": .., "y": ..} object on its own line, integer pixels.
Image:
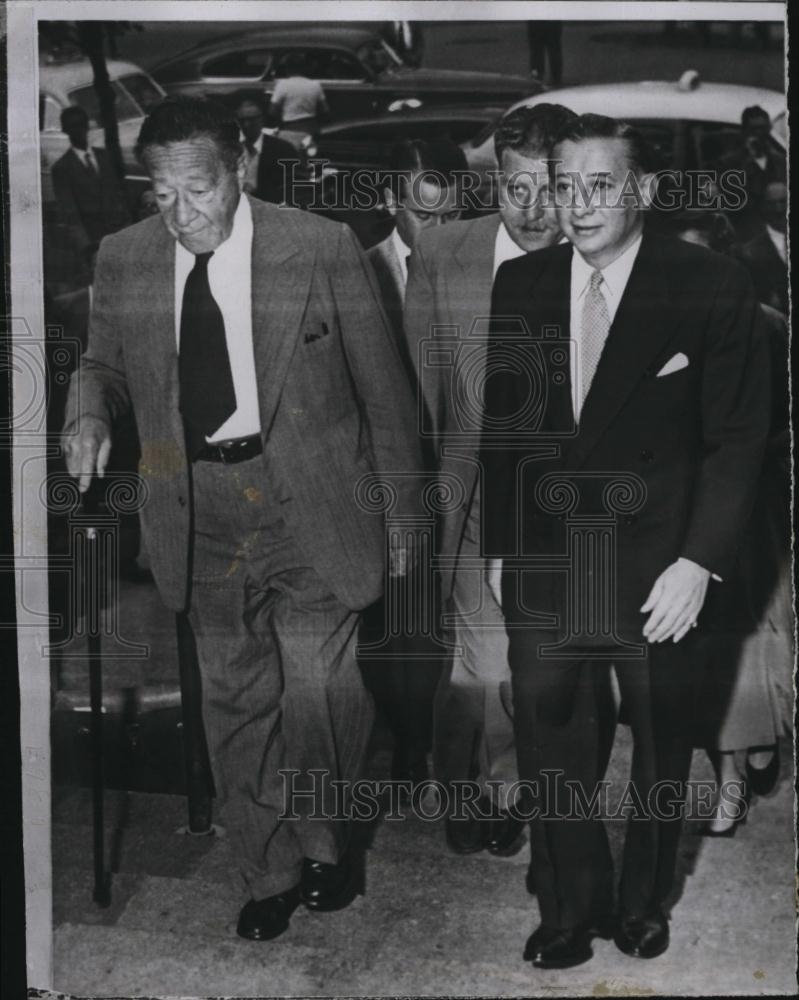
[
  {"x": 280, "y": 685},
  {"x": 403, "y": 679},
  {"x": 564, "y": 722}
]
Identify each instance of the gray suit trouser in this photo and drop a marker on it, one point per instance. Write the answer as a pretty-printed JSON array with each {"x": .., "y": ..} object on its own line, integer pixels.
[
  {"x": 473, "y": 709},
  {"x": 280, "y": 687}
]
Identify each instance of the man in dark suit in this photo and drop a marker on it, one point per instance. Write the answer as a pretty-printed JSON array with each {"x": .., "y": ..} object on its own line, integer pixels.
[
  {"x": 250, "y": 344},
  {"x": 767, "y": 254},
  {"x": 760, "y": 162},
  {"x": 422, "y": 193},
  {"x": 660, "y": 415},
  {"x": 90, "y": 199},
  {"x": 271, "y": 161}
]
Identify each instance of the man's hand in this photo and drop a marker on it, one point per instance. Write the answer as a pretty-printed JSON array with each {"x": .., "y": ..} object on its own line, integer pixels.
[
  {"x": 675, "y": 601},
  {"x": 493, "y": 573},
  {"x": 87, "y": 452}
]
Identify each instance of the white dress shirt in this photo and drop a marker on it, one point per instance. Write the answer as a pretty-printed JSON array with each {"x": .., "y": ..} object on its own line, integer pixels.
[
  {"x": 86, "y": 157},
  {"x": 778, "y": 239},
  {"x": 230, "y": 280},
  {"x": 505, "y": 248},
  {"x": 615, "y": 277},
  {"x": 403, "y": 251},
  {"x": 251, "y": 176}
]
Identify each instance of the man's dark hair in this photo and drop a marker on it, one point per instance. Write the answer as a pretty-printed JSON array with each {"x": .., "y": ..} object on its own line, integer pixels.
[
  {"x": 640, "y": 154},
  {"x": 73, "y": 115},
  {"x": 531, "y": 132},
  {"x": 715, "y": 228},
  {"x": 247, "y": 97},
  {"x": 441, "y": 157},
  {"x": 179, "y": 119},
  {"x": 753, "y": 112}
]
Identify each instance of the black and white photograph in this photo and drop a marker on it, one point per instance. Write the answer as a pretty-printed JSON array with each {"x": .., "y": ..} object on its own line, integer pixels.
[{"x": 399, "y": 542}]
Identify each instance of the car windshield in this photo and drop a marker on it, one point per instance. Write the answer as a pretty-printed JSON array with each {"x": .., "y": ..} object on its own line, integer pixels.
[
  {"x": 142, "y": 89},
  {"x": 379, "y": 56},
  {"x": 86, "y": 98}
]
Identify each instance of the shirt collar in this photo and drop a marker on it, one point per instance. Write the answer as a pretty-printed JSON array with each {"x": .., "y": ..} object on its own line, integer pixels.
[
  {"x": 615, "y": 275},
  {"x": 402, "y": 251}
]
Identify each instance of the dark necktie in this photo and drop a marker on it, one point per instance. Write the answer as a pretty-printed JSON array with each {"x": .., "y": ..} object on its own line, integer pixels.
[
  {"x": 207, "y": 396},
  {"x": 89, "y": 164}
]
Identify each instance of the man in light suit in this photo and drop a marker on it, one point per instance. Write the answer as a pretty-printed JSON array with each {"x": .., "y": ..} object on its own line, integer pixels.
[
  {"x": 250, "y": 344},
  {"x": 451, "y": 276},
  {"x": 90, "y": 199},
  {"x": 666, "y": 397}
]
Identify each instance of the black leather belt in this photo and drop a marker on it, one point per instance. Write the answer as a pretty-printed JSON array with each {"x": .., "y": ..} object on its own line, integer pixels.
[{"x": 230, "y": 452}]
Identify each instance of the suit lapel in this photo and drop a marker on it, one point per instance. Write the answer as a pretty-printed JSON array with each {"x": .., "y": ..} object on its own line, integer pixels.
[
  {"x": 281, "y": 279},
  {"x": 644, "y": 322},
  {"x": 547, "y": 308},
  {"x": 157, "y": 335}
]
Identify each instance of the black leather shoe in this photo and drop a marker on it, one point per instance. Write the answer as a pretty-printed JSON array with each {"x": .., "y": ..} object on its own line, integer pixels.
[
  {"x": 762, "y": 780},
  {"x": 327, "y": 887},
  {"x": 643, "y": 937},
  {"x": 505, "y": 836},
  {"x": 551, "y": 948},
  {"x": 465, "y": 835},
  {"x": 264, "y": 919}
]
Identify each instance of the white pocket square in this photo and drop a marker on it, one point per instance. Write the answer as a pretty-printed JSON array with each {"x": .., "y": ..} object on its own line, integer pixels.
[{"x": 675, "y": 364}]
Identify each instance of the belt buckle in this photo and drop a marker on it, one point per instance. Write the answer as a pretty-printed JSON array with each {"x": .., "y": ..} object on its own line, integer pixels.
[{"x": 222, "y": 450}]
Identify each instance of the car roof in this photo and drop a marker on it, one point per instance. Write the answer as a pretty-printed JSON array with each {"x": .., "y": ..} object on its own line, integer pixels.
[
  {"x": 64, "y": 77},
  {"x": 434, "y": 112},
  {"x": 716, "y": 102},
  {"x": 275, "y": 37}
]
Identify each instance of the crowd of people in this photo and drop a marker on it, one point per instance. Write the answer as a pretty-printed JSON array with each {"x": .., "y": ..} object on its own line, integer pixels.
[{"x": 300, "y": 399}]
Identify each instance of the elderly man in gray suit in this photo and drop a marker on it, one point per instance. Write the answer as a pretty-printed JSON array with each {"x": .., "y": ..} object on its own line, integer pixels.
[
  {"x": 251, "y": 346},
  {"x": 451, "y": 276}
]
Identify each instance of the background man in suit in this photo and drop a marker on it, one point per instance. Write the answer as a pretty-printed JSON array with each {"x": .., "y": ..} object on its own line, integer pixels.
[
  {"x": 270, "y": 160},
  {"x": 250, "y": 344},
  {"x": 451, "y": 276},
  {"x": 91, "y": 201},
  {"x": 669, "y": 384},
  {"x": 767, "y": 254},
  {"x": 422, "y": 193},
  {"x": 760, "y": 162}
]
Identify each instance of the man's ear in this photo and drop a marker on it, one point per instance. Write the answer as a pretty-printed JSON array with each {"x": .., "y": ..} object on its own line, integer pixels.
[
  {"x": 391, "y": 201},
  {"x": 647, "y": 185}
]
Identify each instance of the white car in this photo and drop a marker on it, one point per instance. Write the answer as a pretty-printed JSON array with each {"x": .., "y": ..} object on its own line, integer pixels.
[
  {"x": 63, "y": 84},
  {"x": 689, "y": 122}
]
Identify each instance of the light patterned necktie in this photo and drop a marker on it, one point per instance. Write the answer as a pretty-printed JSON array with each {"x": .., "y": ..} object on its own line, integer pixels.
[{"x": 596, "y": 323}]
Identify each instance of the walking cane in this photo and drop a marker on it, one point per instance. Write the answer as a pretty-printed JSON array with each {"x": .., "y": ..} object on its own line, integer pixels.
[{"x": 92, "y": 593}]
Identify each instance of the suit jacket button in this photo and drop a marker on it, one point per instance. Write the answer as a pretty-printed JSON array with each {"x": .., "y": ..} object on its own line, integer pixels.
[{"x": 647, "y": 456}]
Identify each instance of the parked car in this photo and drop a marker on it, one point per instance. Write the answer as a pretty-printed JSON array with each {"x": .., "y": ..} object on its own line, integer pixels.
[
  {"x": 62, "y": 84},
  {"x": 360, "y": 72},
  {"x": 689, "y": 123},
  {"x": 365, "y": 143}
]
